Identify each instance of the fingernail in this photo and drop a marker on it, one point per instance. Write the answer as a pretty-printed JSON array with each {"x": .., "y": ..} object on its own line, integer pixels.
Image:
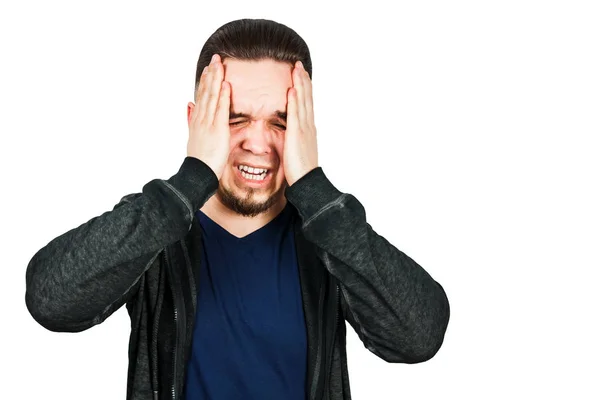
[
  {"x": 300, "y": 63},
  {"x": 213, "y": 59}
]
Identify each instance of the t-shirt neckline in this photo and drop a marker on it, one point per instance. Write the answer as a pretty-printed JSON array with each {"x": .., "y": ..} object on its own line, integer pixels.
[{"x": 215, "y": 226}]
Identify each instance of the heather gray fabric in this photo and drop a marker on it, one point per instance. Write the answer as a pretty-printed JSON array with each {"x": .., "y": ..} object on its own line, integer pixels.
[{"x": 80, "y": 278}]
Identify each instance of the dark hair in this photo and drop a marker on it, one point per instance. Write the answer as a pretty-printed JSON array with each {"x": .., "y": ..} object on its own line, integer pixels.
[{"x": 254, "y": 40}]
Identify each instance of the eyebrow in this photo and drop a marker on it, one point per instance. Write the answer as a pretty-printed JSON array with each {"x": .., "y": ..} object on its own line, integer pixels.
[{"x": 278, "y": 114}]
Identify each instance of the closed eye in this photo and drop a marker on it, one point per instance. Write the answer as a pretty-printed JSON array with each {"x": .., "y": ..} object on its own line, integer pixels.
[{"x": 240, "y": 122}]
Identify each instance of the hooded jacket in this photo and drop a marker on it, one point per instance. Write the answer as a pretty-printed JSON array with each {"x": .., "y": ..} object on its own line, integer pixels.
[{"x": 146, "y": 253}]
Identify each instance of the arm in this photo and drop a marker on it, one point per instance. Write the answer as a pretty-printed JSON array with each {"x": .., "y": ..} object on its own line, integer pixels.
[
  {"x": 80, "y": 278},
  {"x": 399, "y": 312}
]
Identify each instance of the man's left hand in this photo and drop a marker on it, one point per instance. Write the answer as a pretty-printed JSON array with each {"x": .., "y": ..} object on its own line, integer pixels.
[{"x": 300, "y": 146}]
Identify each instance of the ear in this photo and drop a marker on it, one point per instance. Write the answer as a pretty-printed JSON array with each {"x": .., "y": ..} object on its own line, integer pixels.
[{"x": 190, "y": 110}]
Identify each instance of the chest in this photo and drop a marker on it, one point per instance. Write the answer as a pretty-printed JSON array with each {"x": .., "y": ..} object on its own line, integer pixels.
[{"x": 251, "y": 293}]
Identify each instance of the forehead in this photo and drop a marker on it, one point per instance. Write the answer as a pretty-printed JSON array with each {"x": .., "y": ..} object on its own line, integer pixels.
[{"x": 258, "y": 87}]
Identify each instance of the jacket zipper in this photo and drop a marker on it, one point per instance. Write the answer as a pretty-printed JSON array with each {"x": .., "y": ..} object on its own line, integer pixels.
[
  {"x": 173, "y": 394},
  {"x": 177, "y": 320},
  {"x": 335, "y": 326},
  {"x": 318, "y": 360},
  {"x": 154, "y": 351}
]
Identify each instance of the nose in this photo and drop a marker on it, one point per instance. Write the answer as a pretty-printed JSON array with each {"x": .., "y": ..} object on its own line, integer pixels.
[{"x": 257, "y": 138}]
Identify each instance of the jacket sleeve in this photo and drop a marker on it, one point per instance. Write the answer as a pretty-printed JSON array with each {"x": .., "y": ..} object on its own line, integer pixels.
[
  {"x": 398, "y": 311},
  {"x": 81, "y": 277}
]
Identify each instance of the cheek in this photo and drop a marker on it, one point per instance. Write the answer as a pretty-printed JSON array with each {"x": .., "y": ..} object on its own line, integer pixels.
[
  {"x": 280, "y": 142},
  {"x": 234, "y": 143}
]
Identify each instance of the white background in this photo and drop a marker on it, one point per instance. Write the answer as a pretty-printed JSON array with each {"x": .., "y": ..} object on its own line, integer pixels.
[{"x": 469, "y": 130}]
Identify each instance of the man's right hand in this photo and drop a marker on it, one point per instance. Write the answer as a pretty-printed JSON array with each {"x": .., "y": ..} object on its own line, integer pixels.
[{"x": 209, "y": 120}]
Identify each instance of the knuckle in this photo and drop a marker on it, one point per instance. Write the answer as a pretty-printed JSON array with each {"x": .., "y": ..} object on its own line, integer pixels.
[{"x": 203, "y": 125}]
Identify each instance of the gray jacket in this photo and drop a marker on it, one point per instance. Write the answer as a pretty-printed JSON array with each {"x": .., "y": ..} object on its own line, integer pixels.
[{"x": 146, "y": 252}]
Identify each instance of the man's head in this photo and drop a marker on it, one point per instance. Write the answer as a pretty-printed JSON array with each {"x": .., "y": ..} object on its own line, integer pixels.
[{"x": 258, "y": 58}]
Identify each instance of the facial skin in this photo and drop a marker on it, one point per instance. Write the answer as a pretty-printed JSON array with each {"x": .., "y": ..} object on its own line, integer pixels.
[{"x": 258, "y": 89}]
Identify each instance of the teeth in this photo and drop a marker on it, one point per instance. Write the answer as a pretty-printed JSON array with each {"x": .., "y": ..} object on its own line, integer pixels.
[
  {"x": 251, "y": 170},
  {"x": 254, "y": 177}
]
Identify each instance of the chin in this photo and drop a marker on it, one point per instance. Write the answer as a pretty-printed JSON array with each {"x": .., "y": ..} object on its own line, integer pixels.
[{"x": 248, "y": 203}]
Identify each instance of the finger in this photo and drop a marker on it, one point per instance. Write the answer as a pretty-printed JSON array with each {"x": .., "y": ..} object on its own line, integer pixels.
[
  {"x": 210, "y": 92},
  {"x": 201, "y": 84},
  {"x": 222, "y": 114},
  {"x": 196, "y": 113},
  {"x": 203, "y": 91},
  {"x": 308, "y": 97},
  {"x": 292, "y": 110},
  {"x": 215, "y": 92},
  {"x": 299, "y": 86}
]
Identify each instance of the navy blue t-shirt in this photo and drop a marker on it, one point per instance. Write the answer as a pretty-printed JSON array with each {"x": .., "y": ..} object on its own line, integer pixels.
[{"x": 250, "y": 334}]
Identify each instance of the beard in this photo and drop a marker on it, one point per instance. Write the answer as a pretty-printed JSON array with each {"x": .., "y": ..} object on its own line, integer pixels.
[{"x": 246, "y": 206}]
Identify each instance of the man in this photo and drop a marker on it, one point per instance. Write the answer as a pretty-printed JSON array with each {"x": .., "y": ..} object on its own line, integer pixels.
[{"x": 239, "y": 271}]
